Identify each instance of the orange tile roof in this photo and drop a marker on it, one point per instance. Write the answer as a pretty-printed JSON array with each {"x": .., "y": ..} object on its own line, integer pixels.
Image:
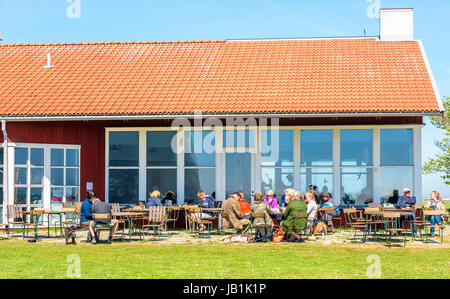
[{"x": 266, "y": 76}]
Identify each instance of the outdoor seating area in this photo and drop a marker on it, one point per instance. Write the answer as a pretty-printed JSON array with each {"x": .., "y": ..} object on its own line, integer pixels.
[{"x": 375, "y": 225}]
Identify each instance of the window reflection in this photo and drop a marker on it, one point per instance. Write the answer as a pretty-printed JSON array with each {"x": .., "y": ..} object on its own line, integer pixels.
[
  {"x": 395, "y": 179},
  {"x": 396, "y": 147},
  {"x": 200, "y": 148},
  {"x": 199, "y": 179},
  {"x": 316, "y": 147},
  {"x": 124, "y": 186},
  {"x": 162, "y": 180},
  {"x": 124, "y": 149},
  {"x": 277, "y": 148},
  {"x": 356, "y": 147},
  {"x": 277, "y": 180},
  {"x": 159, "y": 149},
  {"x": 356, "y": 186},
  {"x": 320, "y": 177}
]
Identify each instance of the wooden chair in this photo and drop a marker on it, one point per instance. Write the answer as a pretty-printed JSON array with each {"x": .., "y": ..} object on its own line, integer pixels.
[
  {"x": 301, "y": 216},
  {"x": 156, "y": 220},
  {"x": 223, "y": 228},
  {"x": 98, "y": 229},
  {"x": 68, "y": 205},
  {"x": 255, "y": 216},
  {"x": 199, "y": 224},
  {"x": 392, "y": 227},
  {"x": 356, "y": 223},
  {"x": 173, "y": 213},
  {"x": 16, "y": 218},
  {"x": 419, "y": 222},
  {"x": 36, "y": 220},
  {"x": 373, "y": 221},
  {"x": 323, "y": 210},
  {"x": 70, "y": 218},
  {"x": 428, "y": 225}
]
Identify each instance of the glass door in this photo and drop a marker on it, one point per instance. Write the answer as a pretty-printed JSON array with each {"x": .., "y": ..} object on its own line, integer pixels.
[{"x": 238, "y": 174}]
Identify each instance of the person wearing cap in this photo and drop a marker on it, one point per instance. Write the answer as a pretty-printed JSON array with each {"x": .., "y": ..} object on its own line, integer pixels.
[
  {"x": 406, "y": 201},
  {"x": 329, "y": 215}
]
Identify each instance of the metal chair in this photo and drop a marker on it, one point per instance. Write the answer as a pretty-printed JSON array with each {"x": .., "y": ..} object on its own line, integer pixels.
[
  {"x": 100, "y": 228},
  {"x": 392, "y": 227},
  {"x": 199, "y": 224},
  {"x": 222, "y": 227},
  {"x": 373, "y": 221},
  {"x": 16, "y": 217},
  {"x": 36, "y": 220},
  {"x": 173, "y": 212},
  {"x": 356, "y": 223}
]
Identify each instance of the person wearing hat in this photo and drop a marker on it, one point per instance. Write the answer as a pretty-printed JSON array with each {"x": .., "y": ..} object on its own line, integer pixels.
[
  {"x": 329, "y": 215},
  {"x": 271, "y": 200},
  {"x": 406, "y": 201}
]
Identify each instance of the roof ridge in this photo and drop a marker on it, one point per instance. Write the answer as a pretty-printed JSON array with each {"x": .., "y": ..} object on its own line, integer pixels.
[{"x": 113, "y": 43}]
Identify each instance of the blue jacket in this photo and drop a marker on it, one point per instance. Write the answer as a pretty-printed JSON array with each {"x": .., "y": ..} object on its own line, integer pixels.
[
  {"x": 207, "y": 203},
  {"x": 153, "y": 202},
  {"x": 403, "y": 202},
  {"x": 86, "y": 211},
  {"x": 330, "y": 203}
]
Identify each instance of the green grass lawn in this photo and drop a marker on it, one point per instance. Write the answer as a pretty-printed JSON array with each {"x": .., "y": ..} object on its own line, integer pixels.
[{"x": 19, "y": 259}]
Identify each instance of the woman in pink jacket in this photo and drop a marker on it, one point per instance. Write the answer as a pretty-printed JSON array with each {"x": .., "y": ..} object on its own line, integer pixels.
[{"x": 271, "y": 200}]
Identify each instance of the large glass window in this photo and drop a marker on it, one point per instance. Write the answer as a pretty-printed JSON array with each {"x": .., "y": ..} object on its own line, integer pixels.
[
  {"x": 316, "y": 147},
  {"x": 356, "y": 185},
  {"x": 200, "y": 148},
  {"x": 322, "y": 178},
  {"x": 277, "y": 148},
  {"x": 277, "y": 180},
  {"x": 395, "y": 178},
  {"x": 396, "y": 147},
  {"x": 159, "y": 149},
  {"x": 356, "y": 147},
  {"x": 162, "y": 180},
  {"x": 199, "y": 179},
  {"x": 124, "y": 186},
  {"x": 124, "y": 149}
]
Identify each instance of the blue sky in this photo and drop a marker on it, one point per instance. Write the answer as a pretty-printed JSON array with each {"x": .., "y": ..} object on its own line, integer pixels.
[{"x": 43, "y": 21}]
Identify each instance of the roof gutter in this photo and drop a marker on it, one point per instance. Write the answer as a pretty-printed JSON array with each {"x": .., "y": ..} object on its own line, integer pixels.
[{"x": 222, "y": 115}]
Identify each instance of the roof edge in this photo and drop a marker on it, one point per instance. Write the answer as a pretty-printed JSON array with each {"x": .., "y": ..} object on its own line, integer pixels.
[
  {"x": 431, "y": 76},
  {"x": 217, "y": 115}
]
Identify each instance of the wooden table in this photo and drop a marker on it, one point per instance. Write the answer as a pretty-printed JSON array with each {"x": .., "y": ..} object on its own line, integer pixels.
[
  {"x": 49, "y": 214},
  {"x": 130, "y": 217}
]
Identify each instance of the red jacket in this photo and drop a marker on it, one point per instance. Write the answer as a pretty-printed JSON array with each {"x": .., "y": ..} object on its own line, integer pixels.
[{"x": 245, "y": 207}]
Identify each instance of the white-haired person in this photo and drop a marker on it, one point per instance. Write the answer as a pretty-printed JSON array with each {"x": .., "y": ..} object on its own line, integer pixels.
[
  {"x": 293, "y": 226},
  {"x": 435, "y": 204}
]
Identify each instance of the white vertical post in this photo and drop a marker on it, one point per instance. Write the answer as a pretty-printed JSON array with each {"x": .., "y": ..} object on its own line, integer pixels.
[
  {"x": 337, "y": 165},
  {"x": 180, "y": 165},
  {"x": 376, "y": 166},
  {"x": 257, "y": 162},
  {"x": 297, "y": 159},
  {"x": 220, "y": 166},
  {"x": 142, "y": 165},
  {"x": 417, "y": 154},
  {"x": 46, "y": 191},
  {"x": 10, "y": 173}
]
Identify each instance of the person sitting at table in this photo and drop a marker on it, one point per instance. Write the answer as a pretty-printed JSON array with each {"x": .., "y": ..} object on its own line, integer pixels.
[
  {"x": 329, "y": 215},
  {"x": 235, "y": 216},
  {"x": 406, "y": 201},
  {"x": 311, "y": 210},
  {"x": 394, "y": 198},
  {"x": 206, "y": 202},
  {"x": 293, "y": 226},
  {"x": 263, "y": 225},
  {"x": 244, "y": 205},
  {"x": 435, "y": 204},
  {"x": 170, "y": 198},
  {"x": 153, "y": 200},
  {"x": 100, "y": 207},
  {"x": 86, "y": 212},
  {"x": 271, "y": 200}
]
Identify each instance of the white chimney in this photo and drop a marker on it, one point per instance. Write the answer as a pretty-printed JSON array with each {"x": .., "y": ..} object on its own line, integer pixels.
[{"x": 396, "y": 24}]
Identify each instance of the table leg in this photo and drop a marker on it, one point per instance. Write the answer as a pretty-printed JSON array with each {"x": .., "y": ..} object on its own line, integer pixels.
[
  {"x": 130, "y": 227},
  {"x": 48, "y": 224}
]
